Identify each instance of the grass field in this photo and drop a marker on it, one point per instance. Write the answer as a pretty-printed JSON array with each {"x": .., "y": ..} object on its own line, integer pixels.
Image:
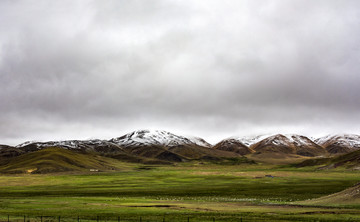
[{"x": 176, "y": 193}]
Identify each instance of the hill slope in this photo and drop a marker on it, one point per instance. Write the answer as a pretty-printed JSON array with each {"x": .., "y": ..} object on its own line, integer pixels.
[
  {"x": 280, "y": 145},
  {"x": 161, "y": 147},
  {"x": 345, "y": 197},
  {"x": 233, "y": 145},
  {"x": 57, "y": 160},
  {"x": 338, "y": 144},
  {"x": 348, "y": 161},
  {"x": 164, "y": 145},
  {"x": 142, "y": 146},
  {"x": 156, "y": 137},
  {"x": 9, "y": 151}
]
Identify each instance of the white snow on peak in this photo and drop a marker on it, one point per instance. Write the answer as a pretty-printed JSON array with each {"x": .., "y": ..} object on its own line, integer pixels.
[
  {"x": 322, "y": 140},
  {"x": 349, "y": 140},
  {"x": 299, "y": 139},
  {"x": 72, "y": 144},
  {"x": 156, "y": 137},
  {"x": 199, "y": 141},
  {"x": 25, "y": 143},
  {"x": 250, "y": 140},
  {"x": 276, "y": 139}
]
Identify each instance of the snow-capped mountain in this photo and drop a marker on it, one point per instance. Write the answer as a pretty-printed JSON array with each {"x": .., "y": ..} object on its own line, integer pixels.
[
  {"x": 341, "y": 143},
  {"x": 156, "y": 137},
  {"x": 233, "y": 145},
  {"x": 289, "y": 144},
  {"x": 163, "y": 145},
  {"x": 275, "y": 144},
  {"x": 97, "y": 145},
  {"x": 299, "y": 140},
  {"x": 71, "y": 144},
  {"x": 250, "y": 140},
  {"x": 288, "y": 139}
]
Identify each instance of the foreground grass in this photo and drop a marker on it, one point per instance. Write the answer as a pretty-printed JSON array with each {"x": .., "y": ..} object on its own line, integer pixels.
[{"x": 199, "y": 192}]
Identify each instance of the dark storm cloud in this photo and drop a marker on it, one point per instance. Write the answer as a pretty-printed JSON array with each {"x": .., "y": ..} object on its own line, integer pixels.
[{"x": 91, "y": 69}]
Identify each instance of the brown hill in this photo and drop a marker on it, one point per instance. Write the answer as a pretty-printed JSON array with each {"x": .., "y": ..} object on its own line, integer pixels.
[
  {"x": 155, "y": 152},
  {"x": 339, "y": 144},
  {"x": 9, "y": 151},
  {"x": 288, "y": 145},
  {"x": 57, "y": 159},
  {"x": 233, "y": 145},
  {"x": 346, "y": 197},
  {"x": 277, "y": 143},
  {"x": 178, "y": 153},
  {"x": 199, "y": 152},
  {"x": 347, "y": 161}
]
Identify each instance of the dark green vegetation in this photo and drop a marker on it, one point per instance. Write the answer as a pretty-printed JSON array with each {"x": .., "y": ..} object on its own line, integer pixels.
[
  {"x": 197, "y": 190},
  {"x": 347, "y": 161}
]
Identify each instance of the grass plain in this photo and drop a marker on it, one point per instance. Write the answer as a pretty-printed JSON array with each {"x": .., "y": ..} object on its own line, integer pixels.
[{"x": 200, "y": 192}]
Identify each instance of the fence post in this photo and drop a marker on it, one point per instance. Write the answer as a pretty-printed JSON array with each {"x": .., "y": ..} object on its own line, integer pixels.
[
  {"x": 188, "y": 219},
  {"x": 240, "y": 219},
  {"x": 213, "y": 219},
  {"x": 59, "y": 218},
  {"x": 140, "y": 219},
  {"x": 78, "y": 218},
  {"x": 8, "y": 218},
  {"x": 24, "y": 218},
  {"x": 97, "y": 218},
  {"x": 118, "y": 219},
  {"x": 41, "y": 218}
]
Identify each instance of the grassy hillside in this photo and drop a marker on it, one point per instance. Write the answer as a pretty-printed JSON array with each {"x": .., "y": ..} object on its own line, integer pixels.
[
  {"x": 347, "y": 161},
  {"x": 57, "y": 160},
  {"x": 200, "y": 192},
  {"x": 349, "y": 196}
]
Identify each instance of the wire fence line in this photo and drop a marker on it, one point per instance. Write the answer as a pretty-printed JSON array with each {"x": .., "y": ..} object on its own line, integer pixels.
[{"x": 11, "y": 218}]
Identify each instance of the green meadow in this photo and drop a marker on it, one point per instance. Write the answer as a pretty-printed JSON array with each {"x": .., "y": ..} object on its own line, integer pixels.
[{"x": 192, "y": 191}]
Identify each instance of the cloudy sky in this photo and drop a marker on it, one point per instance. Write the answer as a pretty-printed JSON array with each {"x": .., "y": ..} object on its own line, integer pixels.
[{"x": 100, "y": 69}]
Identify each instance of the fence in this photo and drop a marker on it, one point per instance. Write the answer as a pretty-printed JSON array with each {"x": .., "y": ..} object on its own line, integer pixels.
[
  {"x": 25, "y": 218},
  {"x": 8, "y": 218}
]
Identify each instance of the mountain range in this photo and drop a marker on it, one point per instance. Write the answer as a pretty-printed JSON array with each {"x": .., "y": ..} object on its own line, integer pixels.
[{"x": 162, "y": 147}]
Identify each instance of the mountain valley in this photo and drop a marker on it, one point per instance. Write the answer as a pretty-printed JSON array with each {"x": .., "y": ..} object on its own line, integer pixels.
[{"x": 161, "y": 147}]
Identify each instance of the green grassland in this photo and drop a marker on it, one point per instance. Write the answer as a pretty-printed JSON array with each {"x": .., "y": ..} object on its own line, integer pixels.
[
  {"x": 192, "y": 190},
  {"x": 58, "y": 160}
]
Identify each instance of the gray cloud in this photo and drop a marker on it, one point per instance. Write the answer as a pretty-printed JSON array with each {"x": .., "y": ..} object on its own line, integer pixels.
[{"x": 79, "y": 69}]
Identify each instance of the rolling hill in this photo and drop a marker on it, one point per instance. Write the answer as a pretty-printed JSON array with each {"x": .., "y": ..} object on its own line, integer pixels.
[
  {"x": 57, "y": 159},
  {"x": 347, "y": 161},
  {"x": 233, "y": 145},
  {"x": 143, "y": 146},
  {"x": 288, "y": 145},
  {"x": 348, "y": 196},
  {"x": 339, "y": 144},
  {"x": 161, "y": 147}
]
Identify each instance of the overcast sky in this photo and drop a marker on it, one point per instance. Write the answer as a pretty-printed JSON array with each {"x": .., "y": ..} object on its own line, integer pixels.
[{"x": 214, "y": 69}]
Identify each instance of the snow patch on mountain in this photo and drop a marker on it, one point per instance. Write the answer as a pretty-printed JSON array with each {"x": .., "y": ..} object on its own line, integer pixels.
[
  {"x": 299, "y": 140},
  {"x": 348, "y": 140},
  {"x": 278, "y": 139},
  {"x": 156, "y": 137},
  {"x": 70, "y": 144},
  {"x": 250, "y": 140},
  {"x": 199, "y": 141}
]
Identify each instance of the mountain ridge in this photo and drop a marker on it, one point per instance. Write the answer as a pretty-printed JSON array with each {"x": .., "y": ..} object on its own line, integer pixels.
[{"x": 160, "y": 144}]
